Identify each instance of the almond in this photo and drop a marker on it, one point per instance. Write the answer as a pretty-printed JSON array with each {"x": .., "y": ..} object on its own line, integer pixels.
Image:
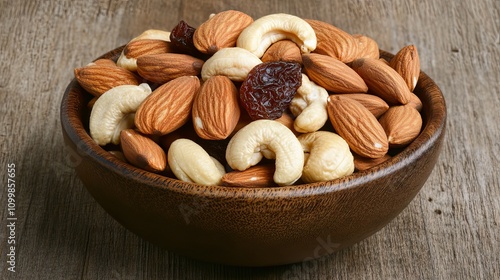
[
  {"x": 258, "y": 176},
  {"x": 382, "y": 80},
  {"x": 119, "y": 155},
  {"x": 284, "y": 50},
  {"x": 168, "y": 107},
  {"x": 376, "y": 105},
  {"x": 333, "y": 41},
  {"x": 220, "y": 31},
  {"x": 161, "y": 68},
  {"x": 358, "y": 126},
  {"x": 137, "y": 48},
  {"x": 384, "y": 60},
  {"x": 415, "y": 102},
  {"x": 362, "y": 163},
  {"x": 142, "y": 152},
  {"x": 407, "y": 63},
  {"x": 243, "y": 121},
  {"x": 287, "y": 120},
  {"x": 104, "y": 62},
  {"x": 101, "y": 77},
  {"x": 332, "y": 74},
  {"x": 91, "y": 103},
  {"x": 401, "y": 124},
  {"x": 215, "y": 109},
  {"x": 367, "y": 47}
]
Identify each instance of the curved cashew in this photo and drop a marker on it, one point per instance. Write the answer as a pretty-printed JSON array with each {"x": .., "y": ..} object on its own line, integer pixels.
[
  {"x": 155, "y": 34},
  {"x": 259, "y": 35},
  {"x": 270, "y": 139},
  {"x": 130, "y": 63},
  {"x": 327, "y": 156},
  {"x": 309, "y": 106},
  {"x": 235, "y": 63},
  {"x": 114, "y": 111},
  {"x": 191, "y": 163}
]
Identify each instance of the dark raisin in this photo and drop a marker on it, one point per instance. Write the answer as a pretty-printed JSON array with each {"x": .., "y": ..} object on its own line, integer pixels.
[
  {"x": 182, "y": 37},
  {"x": 269, "y": 88}
]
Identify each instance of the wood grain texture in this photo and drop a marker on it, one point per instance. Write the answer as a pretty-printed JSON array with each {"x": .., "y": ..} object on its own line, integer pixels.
[{"x": 450, "y": 231}]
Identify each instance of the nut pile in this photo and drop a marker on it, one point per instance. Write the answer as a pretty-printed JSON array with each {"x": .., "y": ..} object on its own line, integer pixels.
[{"x": 274, "y": 101}]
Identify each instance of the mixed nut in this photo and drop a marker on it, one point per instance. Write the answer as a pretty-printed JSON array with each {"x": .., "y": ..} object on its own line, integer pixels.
[{"x": 274, "y": 101}]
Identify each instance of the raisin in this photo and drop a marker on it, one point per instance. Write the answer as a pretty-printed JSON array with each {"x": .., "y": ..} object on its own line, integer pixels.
[
  {"x": 182, "y": 37},
  {"x": 269, "y": 88}
]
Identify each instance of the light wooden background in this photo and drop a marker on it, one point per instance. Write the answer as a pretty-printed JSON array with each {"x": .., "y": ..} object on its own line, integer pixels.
[{"x": 450, "y": 231}]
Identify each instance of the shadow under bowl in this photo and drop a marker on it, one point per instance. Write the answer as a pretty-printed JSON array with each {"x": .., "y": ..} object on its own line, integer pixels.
[{"x": 254, "y": 226}]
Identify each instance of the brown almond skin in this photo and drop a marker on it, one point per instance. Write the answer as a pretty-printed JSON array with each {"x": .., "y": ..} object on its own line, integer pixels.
[
  {"x": 288, "y": 120},
  {"x": 384, "y": 60},
  {"x": 142, "y": 152},
  {"x": 216, "y": 109},
  {"x": 168, "y": 107},
  {"x": 402, "y": 124},
  {"x": 332, "y": 74},
  {"x": 220, "y": 31},
  {"x": 258, "y": 176},
  {"x": 382, "y": 80},
  {"x": 333, "y": 41},
  {"x": 415, "y": 102},
  {"x": 284, "y": 50},
  {"x": 140, "y": 47},
  {"x": 358, "y": 126},
  {"x": 362, "y": 163},
  {"x": 105, "y": 62},
  {"x": 164, "y": 67},
  {"x": 376, "y": 105},
  {"x": 98, "y": 78},
  {"x": 91, "y": 103},
  {"x": 119, "y": 155},
  {"x": 367, "y": 47},
  {"x": 407, "y": 63}
]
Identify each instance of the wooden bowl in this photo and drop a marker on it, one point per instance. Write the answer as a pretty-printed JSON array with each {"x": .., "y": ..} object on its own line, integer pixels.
[{"x": 254, "y": 226}]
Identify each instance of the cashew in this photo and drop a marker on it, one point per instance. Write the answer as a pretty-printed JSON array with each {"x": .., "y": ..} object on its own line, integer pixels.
[
  {"x": 191, "y": 163},
  {"x": 259, "y": 35},
  {"x": 327, "y": 156},
  {"x": 130, "y": 63},
  {"x": 272, "y": 140},
  {"x": 155, "y": 34},
  {"x": 235, "y": 63},
  {"x": 114, "y": 111},
  {"x": 309, "y": 106}
]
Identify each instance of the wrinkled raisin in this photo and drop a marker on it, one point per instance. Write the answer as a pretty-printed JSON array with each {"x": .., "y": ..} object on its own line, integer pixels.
[
  {"x": 182, "y": 37},
  {"x": 269, "y": 88}
]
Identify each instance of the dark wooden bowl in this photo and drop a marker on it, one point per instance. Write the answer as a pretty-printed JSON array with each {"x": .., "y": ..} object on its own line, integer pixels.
[{"x": 257, "y": 226}]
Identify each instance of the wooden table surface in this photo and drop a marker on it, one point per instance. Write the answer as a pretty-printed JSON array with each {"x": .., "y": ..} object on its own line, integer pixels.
[{"x": 450, "y": 231}]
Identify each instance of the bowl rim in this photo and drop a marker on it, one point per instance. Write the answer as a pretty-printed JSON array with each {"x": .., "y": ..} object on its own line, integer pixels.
[{"x": 433, "y": 129}]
